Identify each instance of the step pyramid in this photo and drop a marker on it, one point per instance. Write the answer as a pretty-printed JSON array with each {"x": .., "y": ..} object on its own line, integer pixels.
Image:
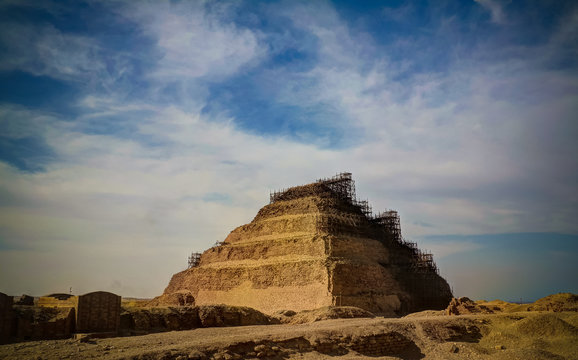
[{"x": 315, "y": 245}]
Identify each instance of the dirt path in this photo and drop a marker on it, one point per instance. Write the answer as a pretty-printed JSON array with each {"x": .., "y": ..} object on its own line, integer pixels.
[{"x": 515, "y": 336}]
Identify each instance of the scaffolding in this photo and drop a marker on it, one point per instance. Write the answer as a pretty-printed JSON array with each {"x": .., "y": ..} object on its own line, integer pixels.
[
  {"x": 341, "y": 184},
  {"x": 276, "y": 195},
  {"x": 365, "y": 208},
  {"x": 417, "y": 268},
  {"x": 389, "y": 221},
  {"x": 423, "y": 263},
  {"x": 194, "y": 260}
]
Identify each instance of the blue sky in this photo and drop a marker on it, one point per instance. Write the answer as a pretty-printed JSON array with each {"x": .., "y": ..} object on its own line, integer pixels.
[{"x": 135, "y": 132}]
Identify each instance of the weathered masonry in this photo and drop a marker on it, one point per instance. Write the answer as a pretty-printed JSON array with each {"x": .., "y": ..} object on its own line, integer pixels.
[
  {"x": 59, "y": 316},
  {"x": 5, "y": 317},
  {"x": 316, "y": 245},
  {"x": 98, "y": 312}
]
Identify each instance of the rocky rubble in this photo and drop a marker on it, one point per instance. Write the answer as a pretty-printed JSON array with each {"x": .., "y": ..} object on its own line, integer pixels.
[
  {"x": 464, "y": 305},
  {"x": 328, "y": 312},
  {"x": 179, "y": 298},
  {"x": 499, "y": 336},
  {"x": 144, "y": 320},
  {"x": 553, "y": 303},
  {"x": 138, "y": 321}
]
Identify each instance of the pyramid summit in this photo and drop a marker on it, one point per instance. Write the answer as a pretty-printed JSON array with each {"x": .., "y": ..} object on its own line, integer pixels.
[{"x": 314, "y": 245}]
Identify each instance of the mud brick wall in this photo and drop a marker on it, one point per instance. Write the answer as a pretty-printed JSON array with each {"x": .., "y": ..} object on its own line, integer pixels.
[
  {"x": 390, "y": 343},
  {"x": 23, "y": 300},
  {"x": 98, "y": 312},
  {"x": 44, "y": 323},
  {"x": 5, "y": 317},
  {"x": 381, "y": 345}
]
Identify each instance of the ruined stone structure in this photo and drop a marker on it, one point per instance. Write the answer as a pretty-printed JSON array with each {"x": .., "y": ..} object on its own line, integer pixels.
[
  {"x": 5, "y": 317},
  {"x": 38, "y": 323},
  {"x": 98, "y": 312},
  {"x": 23, "y": 300},
  {"x": 58, "y": 316},
  {"x": 312, "y": 246}
]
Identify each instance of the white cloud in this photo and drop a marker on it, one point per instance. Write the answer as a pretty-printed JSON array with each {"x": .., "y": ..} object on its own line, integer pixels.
[
  {"x": 194, "y": 42},
  {"x": 115, "y": 198},
  {"x": 18, "y": 122}
]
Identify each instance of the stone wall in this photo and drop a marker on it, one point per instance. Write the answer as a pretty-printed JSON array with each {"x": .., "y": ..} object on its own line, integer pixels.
[
  {"x": 98, "y": 312},
  {"x": 38, "y": 323},
  {"x": 24, "y": 300},
  {"x": 95, "y": 312},
  {"x": 265, "y": 247},
  {"x": 381, "y": 344},
  {"x": 265, "y": 286},
  {"x": 58, "y": 316},
  {"x": 5, "y": 317}
]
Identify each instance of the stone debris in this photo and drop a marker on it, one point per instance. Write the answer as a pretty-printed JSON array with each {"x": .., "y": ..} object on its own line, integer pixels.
[
  {"x": 445, "y": 337},
  {"x": 59, "y": 316},
  {"x": 463, "y": 306}
]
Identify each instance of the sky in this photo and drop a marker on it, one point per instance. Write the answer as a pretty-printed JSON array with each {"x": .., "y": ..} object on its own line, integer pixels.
[{"x": 133, "y": 133}]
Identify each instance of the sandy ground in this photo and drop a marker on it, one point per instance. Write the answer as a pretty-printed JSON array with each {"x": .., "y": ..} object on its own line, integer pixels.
[{"x": 512, "y": 336}]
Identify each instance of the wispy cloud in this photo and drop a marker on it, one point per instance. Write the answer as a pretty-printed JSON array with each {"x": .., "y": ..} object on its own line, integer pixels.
[
  {"x": 496, "y": 10},
  {"x": 479, "y": 125},
  {"x": 113, "y": 195},
  {"x": 44, "y": 50},
  {"x": 194, "y": 39}
]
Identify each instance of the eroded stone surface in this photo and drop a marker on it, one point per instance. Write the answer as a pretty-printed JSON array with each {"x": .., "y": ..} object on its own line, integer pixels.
[{"x": 312, "y": 248}]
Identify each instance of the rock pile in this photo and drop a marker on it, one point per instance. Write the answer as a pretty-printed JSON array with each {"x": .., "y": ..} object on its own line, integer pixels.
[
  {"x": 463, "y": 306},
  {"x": 143, "y": 320}
]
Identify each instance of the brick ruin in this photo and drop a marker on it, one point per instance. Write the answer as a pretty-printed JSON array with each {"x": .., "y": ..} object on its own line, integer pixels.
[
  {"x": 312, "y": 246},
  {"x": 98, "y": 312},
  {"x": 59, "y": 316},
  {"x": 5, "y": 317}
]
